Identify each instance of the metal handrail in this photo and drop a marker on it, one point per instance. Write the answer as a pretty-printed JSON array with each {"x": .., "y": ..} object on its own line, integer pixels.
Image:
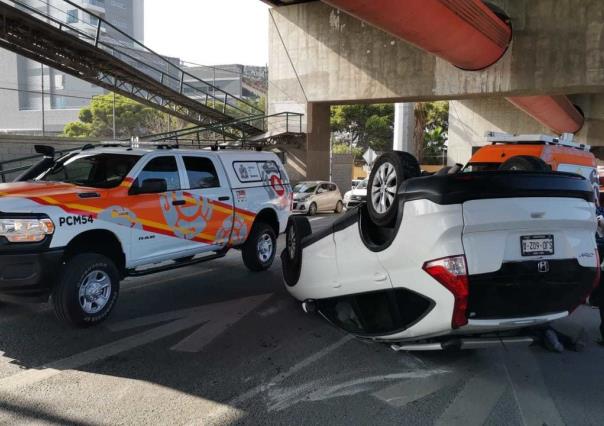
[
  {"x": 4, "y": 172},
  {"x": 176, "y": 134},
  {"x": 225, "y": 98}
]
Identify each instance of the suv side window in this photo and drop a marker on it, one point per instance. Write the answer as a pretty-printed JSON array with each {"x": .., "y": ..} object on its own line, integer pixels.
[
  {"x": 161, "y": 168},
  {"x": 201, "y": 173}
]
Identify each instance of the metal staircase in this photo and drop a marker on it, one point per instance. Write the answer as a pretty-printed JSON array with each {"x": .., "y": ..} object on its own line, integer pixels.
[{"x": 63, "y": 35}]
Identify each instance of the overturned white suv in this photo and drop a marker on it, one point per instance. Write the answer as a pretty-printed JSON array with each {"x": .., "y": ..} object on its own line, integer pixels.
[{"x": 451, "y": 260}]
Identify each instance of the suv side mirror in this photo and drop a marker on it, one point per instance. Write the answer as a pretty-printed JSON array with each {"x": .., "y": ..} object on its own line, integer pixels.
[{"x": 151, "y": 186}]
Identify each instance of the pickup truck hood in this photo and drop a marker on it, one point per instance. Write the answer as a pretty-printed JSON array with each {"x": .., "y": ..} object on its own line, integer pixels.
[{"x": 40, "y": 189}]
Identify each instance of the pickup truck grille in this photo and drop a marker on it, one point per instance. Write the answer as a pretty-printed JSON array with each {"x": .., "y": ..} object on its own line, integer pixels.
[{"x": 518, "y": 289}]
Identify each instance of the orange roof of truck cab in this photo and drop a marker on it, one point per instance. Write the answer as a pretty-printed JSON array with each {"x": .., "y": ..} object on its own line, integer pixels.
[{"x": 551, "y": 154}]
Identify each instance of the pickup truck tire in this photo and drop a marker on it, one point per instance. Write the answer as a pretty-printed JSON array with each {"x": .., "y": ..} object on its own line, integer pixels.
[
  {"x": 525, "y": 163},
  {"x": 87, "y": 290},
  {"x": 388, "y": 173},
  {"x": 259, "y": 250}
]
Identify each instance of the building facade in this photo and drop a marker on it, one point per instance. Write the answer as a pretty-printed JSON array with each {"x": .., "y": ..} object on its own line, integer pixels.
[{"x": 36, "y": 99}]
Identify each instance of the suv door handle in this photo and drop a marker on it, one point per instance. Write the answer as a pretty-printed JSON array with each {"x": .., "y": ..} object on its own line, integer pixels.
[
  {"x": 224, "y": 198},
  {"x": 179, "y": 202}
]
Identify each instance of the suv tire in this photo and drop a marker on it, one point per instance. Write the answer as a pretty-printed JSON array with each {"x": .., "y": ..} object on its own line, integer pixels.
[
  {"x": 298, "y": 227},
  {"x": 387, "y": 175},
  {"x": 87, "y": 290},
  {"x": 259, "y": 250},
  {"x": 525, "y": 163}
]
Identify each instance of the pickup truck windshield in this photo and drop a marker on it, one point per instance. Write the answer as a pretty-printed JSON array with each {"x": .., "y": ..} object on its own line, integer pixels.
[{"x": 95, "y": 170}]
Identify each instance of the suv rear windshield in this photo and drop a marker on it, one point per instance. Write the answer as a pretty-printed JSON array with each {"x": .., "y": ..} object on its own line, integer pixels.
[{"x": 95, "y": 170}]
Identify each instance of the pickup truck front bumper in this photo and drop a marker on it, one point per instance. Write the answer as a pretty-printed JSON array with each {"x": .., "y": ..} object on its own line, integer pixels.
[{"x": 28, "y": 275}]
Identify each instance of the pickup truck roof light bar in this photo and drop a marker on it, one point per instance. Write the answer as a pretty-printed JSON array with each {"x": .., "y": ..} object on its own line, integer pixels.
[{"x": 565, "y": 140}]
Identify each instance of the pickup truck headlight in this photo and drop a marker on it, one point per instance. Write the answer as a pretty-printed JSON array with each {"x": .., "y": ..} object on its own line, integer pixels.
[{"x": 26, "y": 230}]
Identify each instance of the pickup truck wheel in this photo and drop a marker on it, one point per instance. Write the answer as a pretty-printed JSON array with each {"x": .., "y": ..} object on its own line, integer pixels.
[
  {"x": 387, "y": 175},
  {"x": 259, "y": 250},
  {"x": 87, "y": 290}
]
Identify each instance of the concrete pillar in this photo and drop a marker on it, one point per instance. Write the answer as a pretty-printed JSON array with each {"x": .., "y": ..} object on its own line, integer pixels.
[
  {"x": 318, "y": 141},
  {"x": 404, "y": 126}
]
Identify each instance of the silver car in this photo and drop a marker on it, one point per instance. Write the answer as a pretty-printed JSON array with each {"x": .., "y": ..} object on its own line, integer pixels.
[{"x": 317, "y": 196}]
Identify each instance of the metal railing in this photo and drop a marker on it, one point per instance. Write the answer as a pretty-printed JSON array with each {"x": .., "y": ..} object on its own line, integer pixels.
[
  {"x": 100, "y": 34},
  {"x": 282, "y": 123},
  {"x": 29, "y": 161}
]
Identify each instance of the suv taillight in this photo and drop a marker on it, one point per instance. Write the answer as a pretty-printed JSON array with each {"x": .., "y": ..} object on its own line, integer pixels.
[{"x": 452, "y": 273}]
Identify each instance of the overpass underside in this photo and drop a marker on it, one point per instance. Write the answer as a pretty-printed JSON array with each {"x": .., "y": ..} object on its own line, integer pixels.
[{"x": 320, "y": 56}]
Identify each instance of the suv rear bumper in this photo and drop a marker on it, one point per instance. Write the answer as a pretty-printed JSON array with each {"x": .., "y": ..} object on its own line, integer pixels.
[{"x": 28, "y": 275}]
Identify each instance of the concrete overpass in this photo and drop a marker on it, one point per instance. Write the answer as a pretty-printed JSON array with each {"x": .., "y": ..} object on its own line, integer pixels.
[{"x": 320, "y": 55}]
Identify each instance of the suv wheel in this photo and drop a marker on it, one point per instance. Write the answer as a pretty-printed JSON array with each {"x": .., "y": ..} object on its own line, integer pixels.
[
  {"x": 387, "y": 175},
  {"x": 87, "y": 290},
  {"x": 525, "y": 163},
  {"x": 298, "y": 227},
  {"x": 259, "y": 250}
]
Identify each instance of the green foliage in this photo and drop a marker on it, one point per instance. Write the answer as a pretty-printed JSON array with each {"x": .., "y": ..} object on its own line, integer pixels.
[
  {"x": 365, "y": 126},
  {"x": 77, "y": 129},
  {"x": 343, "y": 148},
  {"x": 431, "y": 126},
  {"x": 131, "y": 119}
]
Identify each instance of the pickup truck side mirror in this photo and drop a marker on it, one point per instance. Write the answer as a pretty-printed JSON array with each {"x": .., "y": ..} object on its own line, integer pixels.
[{"x": 150, "y": 186}]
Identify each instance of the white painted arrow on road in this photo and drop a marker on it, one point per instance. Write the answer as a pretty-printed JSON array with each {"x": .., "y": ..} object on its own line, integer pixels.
[
  {"x": 214, "y": 320},
  {"x": 215, "y": 317}
]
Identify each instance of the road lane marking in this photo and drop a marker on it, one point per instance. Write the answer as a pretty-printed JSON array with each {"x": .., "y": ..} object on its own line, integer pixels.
[
  {"x": 202, "y": 314},
  {"x": 534, "y": 401},
  {"x": 215, "y": 417},
  {"x": 479, "y": 396},
  {"x": 312, "y": 219},
  {"x": 219, "y": 323}
]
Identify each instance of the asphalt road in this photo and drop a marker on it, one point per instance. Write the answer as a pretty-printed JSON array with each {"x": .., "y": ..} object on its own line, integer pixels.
[{"x": 216, "y": 344}]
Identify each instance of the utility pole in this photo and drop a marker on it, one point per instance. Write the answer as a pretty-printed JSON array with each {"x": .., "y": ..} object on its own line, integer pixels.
[
  {"x": 114, "y": 132},
  {"x": 43, "y": 113}
]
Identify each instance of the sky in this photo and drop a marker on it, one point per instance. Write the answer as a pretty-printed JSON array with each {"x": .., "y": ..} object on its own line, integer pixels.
[{"x": 208, "y": 32}]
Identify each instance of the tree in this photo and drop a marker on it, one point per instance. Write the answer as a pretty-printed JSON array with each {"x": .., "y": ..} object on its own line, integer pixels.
[
  {"x": 131, "y": 119},
  {"x": 364, "y": 126},
  {"x": 431, "y": 127}
]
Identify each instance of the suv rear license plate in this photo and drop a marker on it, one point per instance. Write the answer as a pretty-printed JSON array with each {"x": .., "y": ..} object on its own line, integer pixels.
[{"x": 537, "y": 245}]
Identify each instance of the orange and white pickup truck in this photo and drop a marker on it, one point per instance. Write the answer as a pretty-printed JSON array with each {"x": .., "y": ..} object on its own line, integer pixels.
[{"x": 72, "y": 228}]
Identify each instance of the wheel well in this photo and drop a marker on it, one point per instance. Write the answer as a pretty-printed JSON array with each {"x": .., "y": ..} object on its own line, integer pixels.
[
  {"x": 268, "y": 216},
  {"x": 104, "y": 242}
]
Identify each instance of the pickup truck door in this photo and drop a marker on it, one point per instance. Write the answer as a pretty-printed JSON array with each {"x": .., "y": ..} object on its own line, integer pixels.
[
  {"x": 209, "y": 200},
  {"x": 155, "y": 236}
]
